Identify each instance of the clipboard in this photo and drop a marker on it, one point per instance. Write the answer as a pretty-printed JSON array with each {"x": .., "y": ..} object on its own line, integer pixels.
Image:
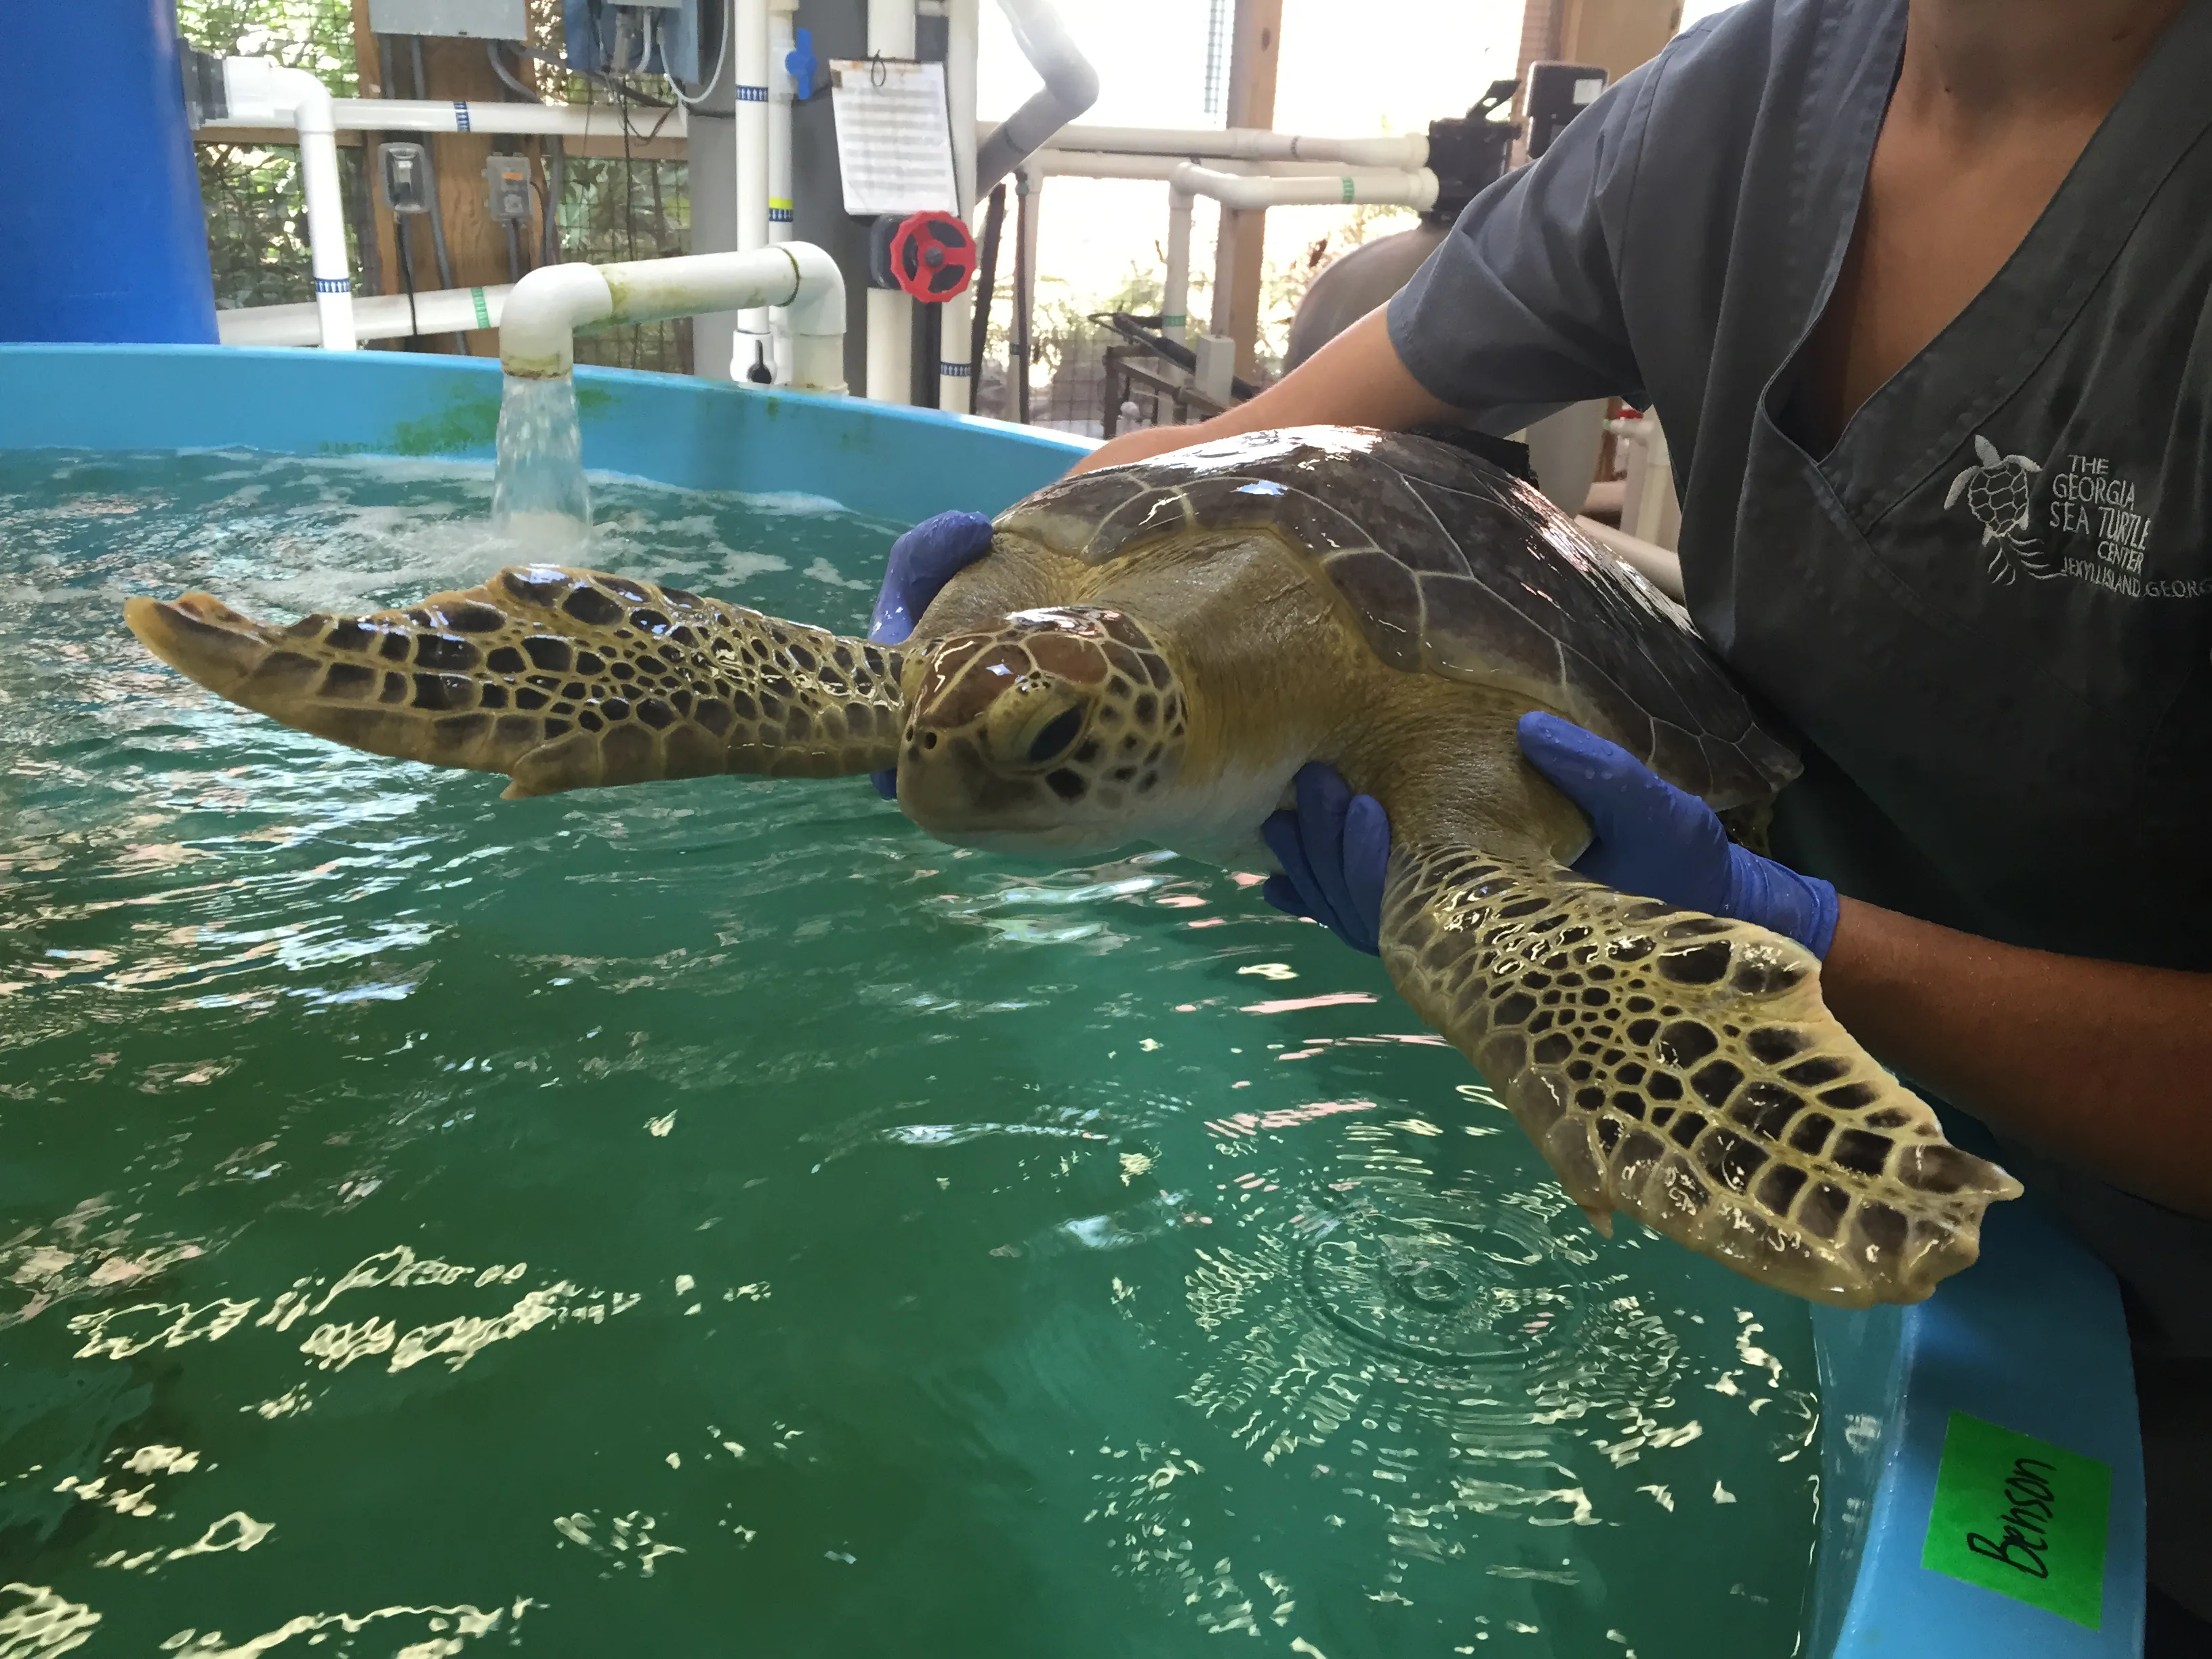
[{"x": 894, "y": 136}]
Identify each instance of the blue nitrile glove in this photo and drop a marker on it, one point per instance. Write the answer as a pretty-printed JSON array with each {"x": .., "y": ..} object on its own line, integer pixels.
[
  {"x": 1334, "y": 850},
  {"x": 922, "y": 560},
  {"x": 1651, "y": 838}
]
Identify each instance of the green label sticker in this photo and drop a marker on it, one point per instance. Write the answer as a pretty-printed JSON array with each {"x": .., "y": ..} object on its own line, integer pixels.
[{"x": 2022, "y": 1517}]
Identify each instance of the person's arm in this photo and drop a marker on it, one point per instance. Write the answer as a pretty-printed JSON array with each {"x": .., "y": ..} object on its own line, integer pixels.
[
  {"x": 1356, "y": 379},
  {"x": 2100, "y": 1064}
]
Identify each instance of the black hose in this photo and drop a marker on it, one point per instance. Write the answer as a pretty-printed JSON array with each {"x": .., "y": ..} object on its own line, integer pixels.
[{"x": 986, "y": 278}]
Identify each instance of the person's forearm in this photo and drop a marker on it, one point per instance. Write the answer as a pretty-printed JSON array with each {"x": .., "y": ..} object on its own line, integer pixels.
[
  {"x": 1356, "y": 379},
  {"x": 2104, "y": 1065}
]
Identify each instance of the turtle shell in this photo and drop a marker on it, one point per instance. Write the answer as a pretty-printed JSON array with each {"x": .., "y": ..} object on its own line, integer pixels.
[{"x": 1455, "y": 567}]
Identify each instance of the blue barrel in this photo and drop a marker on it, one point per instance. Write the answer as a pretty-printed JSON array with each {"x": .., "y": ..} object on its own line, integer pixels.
[{"x": 105, "y": 238}]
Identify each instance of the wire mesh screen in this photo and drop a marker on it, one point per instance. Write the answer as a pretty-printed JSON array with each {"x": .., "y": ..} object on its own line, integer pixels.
[
  {"x": 256, "y": 221},
  {"x": 617, "y": 210}
]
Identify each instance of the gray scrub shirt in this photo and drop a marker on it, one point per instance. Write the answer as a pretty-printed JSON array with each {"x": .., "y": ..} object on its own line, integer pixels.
[{"x": 1987, "y": 610}]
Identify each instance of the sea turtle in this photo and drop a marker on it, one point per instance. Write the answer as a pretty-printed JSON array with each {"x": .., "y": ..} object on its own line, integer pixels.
[
  {"x": 1150, "y": 653},
  {"x": 1997, "y": 493}
]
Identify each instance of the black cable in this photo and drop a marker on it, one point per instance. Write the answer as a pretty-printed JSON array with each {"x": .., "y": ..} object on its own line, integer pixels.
[
  {"x": 986, "y": 278},
  {"x": 406, "y": 274},
  {"x": 514, "y": 253}
]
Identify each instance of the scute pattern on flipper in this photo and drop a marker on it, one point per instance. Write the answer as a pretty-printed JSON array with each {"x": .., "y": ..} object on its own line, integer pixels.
[
  {"x": 562, "y": 679},
  {"x": 1453, "y": 566},
  {"x": 1683, "y": 1068}
]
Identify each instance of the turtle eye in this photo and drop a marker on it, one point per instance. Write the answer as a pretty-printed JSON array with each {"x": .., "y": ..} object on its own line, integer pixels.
[{"x": 1058, "y": 735}]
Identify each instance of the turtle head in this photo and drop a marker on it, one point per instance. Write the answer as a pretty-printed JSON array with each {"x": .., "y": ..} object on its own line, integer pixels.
[{"x": 1055, "y": 730}]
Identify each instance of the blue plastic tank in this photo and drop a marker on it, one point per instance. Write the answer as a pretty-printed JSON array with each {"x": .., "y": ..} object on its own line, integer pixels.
[{"x": 106, "y": 240}]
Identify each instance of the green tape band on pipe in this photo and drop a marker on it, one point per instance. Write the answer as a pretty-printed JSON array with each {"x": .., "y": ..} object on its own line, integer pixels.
[
  {"x": 2022, "y": 1517},
  {"x": 484, "y": 312},
  {"x": 1347, "y": 183}
]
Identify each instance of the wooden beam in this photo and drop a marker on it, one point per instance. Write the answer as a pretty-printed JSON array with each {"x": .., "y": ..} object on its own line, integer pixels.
[
  {"x": 368, "y": 78},
  {"x": 476, "y": 243},
  {"x": 1240, "y": 254},
  {"x": 1616, "y": 34}
]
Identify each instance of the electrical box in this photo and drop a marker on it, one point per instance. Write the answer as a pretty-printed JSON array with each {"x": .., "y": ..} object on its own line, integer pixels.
[
  {"x": 507, "y": 177},
  {"x": 480, "y": 19},
  {"x": 650, "y": 37},
  {"x": 1557, "y": 93},
  {"x": 405, "y": 170}
]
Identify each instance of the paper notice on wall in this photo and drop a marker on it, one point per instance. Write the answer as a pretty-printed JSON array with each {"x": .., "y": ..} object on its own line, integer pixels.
[{"x": 894, "y": 136}]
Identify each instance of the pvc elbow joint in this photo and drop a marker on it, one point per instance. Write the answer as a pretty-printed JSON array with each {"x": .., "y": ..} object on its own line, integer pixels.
[{"x": 537, "y": 328}]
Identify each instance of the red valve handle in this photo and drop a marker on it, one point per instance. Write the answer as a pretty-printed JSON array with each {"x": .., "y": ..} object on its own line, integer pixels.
[{"x": 933, "y": 255}]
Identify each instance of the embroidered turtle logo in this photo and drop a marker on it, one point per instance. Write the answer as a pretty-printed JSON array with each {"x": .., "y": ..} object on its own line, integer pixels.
[{"x": 1997, "y": 494}]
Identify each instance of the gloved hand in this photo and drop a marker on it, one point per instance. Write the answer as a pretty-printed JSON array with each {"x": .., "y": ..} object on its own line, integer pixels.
[
  {"x": 1334, "y": 850},
  {"x": 921, "y": 561},
  {"x": 1653, "y": 838}
]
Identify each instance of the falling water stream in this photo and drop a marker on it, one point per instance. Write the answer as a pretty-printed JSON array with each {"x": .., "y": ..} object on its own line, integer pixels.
[{"x": 539, "y": 498}]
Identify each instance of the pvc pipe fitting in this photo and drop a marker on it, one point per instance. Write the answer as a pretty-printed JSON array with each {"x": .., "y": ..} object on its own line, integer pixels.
[
  {"x": 263, "y": 92},
  {"x": 536, "y": 337},
  {"x": 1400, "y": 153},
  {"x": 1071, "y": 87},
  {"x": 1242, "y": 191}
]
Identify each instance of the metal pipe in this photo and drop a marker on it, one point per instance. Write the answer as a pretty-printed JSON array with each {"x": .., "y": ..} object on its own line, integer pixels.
[
  {"x": 1071, "y": 87},
  {"x": 1028, "y": 187},
  {"x": 750, "y": 351},
  {"x": 1243, "y": 191},
  {"x": 538, "y": 326}
]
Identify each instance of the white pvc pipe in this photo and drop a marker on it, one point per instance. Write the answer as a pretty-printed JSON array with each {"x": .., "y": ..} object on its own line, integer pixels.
[
  {"x": 327, "y": 234},
  {"x": 386, "y": 317},
  {"x": 1399, "y": 153},
  {"x": 1175, "y": 296},
  {"x": 956, "y": 381},
  {"x": 890, "y": 312},
  {"x": 430, "y": 115},
  {"x": 537, "y": 336},
  {"x": 264, "y": 91},
  {"x": 749, "y": 22},
  {"x": 1071, "y": 87},
  {"x": 1028, "y": 188},
  {"x": 1242, "y": 191},
  {"x": 1055, "y": 162},
  {"x": 782, "y": 42}
]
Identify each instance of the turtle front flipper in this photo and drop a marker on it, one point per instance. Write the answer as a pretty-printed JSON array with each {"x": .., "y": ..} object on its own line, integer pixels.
[
  {"x": 1684, "y": 1068},
  {"x": 562, "y": 679}
]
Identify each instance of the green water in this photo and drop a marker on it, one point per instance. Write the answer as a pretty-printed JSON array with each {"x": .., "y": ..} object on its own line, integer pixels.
[{"x": 712, "y": 1219}]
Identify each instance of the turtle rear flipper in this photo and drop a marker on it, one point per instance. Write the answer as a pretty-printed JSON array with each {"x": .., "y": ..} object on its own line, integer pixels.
[
  {"x": 1684, "y": 1068},
  {"x": 562, "y": 679}
]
